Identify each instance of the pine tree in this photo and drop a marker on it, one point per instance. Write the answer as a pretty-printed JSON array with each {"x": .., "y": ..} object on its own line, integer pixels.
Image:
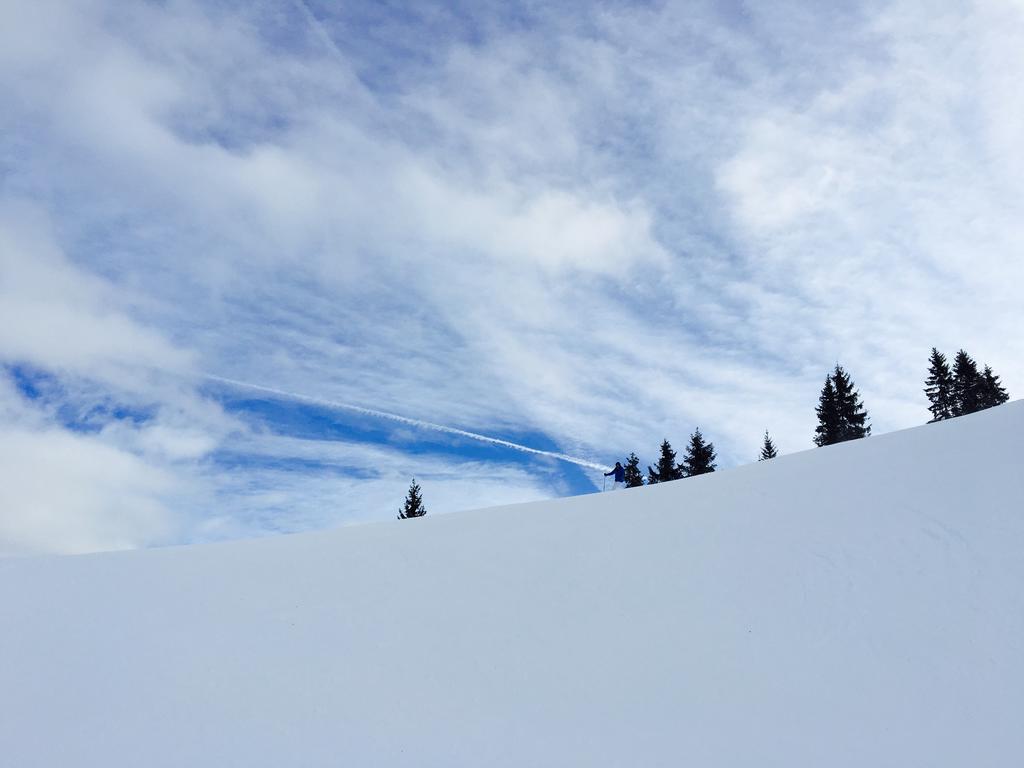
[
  {"x": 413, "y": 503},
  {"x": 667, "y": 469},
  {"x": 992, "y": 391},
  {"x": 841, "y": 414},
  {"x": 827, "y": 431},
  {"x": 700, "y": 456},
  {"x": 768, "y": 449},
  {"x": 967, "y": 385},
  {"x": 853, "y": 419},
  {"x": 634, "y": 477},
  {"x": 939, "y": 387}
]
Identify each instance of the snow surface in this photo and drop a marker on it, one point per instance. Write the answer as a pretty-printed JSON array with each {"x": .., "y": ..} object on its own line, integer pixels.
[{"x": 859, "y": 605}]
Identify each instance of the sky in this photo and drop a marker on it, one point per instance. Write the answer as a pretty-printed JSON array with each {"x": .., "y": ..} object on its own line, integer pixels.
[{"x": 262, "y": 263}]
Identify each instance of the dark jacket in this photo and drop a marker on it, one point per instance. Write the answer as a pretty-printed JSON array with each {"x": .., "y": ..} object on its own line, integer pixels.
[{"x": 619, "y": 472}]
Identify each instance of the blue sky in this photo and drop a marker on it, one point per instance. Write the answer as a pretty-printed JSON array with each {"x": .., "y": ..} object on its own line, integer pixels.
[{"x": 580, "y": 227}]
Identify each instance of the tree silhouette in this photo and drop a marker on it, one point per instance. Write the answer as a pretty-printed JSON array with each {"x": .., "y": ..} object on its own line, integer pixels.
[
  {"x": 827, "y": 431},
  {"x": 939, "y": 387},
  {"x": 968, "y": 394},
  {"x": 634, "y": 477},
  {"x": 700, "y": 456},
  {"x": 992, "y": 392},
  {"x": 667, "y": 469},
  {"x": 841, "y": 414},
  {"x": 413, "y": 503}
]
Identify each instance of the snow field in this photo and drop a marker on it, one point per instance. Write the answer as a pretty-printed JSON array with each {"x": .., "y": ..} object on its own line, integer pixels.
[{"x": 857, "y": 605}]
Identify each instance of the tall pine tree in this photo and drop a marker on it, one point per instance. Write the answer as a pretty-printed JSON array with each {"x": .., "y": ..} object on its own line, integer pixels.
[
  {"x": 767, "y": 449},
  {"x": 827, "y": 431},
  {"x": 853, "y": 419},
  {"x": 667, "y": 469},
  {"x": 939, "y": 387},
  {"x": 700, "y": 456},
  {"x": 634, "y": 476},
  {"x": 967, "y": 385},
  {"x": 413, "y": 503},
  {"x": 841, "y": 414},
  {"x": 992, "y": 391}
]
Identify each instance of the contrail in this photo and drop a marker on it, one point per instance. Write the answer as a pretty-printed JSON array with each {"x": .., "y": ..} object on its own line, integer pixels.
[
  {"x": 319, "y": 31},
  {"x": 405, "y": 420}
]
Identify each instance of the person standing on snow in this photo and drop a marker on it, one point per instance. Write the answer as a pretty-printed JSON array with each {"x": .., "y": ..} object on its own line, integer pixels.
[{"x": 620, "y": 476}]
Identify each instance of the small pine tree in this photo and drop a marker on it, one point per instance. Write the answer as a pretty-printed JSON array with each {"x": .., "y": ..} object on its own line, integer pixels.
[
  {"x": 413, "y": 503},
  {"x": 634, "y": 477},
  {"x": 768, "y": 448},
  {"x": 939, "y": 387},
  {"x": 967, "y": 385},
  {"x": 992, "y": 391},
  {"x": 667, "y": 469},
  {"x": 700, "y": 456}
]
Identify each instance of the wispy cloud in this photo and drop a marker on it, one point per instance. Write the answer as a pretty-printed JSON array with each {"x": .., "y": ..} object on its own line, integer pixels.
[{"x": 601, "y": 224}]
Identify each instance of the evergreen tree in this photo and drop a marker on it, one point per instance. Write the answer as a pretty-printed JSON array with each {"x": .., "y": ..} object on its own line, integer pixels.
[
  {"x": 967, "y": 385},
  {"x": 827, "y": 431},
  {"x": 853, "y": 419},
  {"x": 413, "y": 503},
  {"x": 634, "y": 477},
  {"x": 841, "y": 414},
  {"x": 700, "y": 456},
  {"x": 939, "y": 387},
  {"x": 992, "y": 391},
  {"x": 667, "y": 469},
  {"x": 768, "y": 449}
]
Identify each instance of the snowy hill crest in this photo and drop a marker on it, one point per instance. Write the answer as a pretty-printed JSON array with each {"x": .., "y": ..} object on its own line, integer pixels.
[{"x": 848, "y": 606}]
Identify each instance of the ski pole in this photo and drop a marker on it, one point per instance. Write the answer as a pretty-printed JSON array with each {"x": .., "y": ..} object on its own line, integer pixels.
[{"x": 604, "y": 484}]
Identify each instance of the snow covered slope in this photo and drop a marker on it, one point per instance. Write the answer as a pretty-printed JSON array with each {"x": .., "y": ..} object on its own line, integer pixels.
[{"x": 859, "y": 605}]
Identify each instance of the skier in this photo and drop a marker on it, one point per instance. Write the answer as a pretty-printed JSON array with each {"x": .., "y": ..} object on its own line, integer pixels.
[{"x": 620, "y": 476}]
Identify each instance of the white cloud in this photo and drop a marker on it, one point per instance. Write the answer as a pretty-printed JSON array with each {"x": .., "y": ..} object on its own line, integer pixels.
[
  {"x": 69, "y": 494},
  {"x": 56, "y": 315},
  {"x": 77, "y": 488},
  {"x": 608, "y": 226},
  {"x": 65, "y": 492},
  {"x": 883, "y": 206}
]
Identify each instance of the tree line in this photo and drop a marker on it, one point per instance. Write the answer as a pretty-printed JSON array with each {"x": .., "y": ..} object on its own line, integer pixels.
[
  {"x": 963, "y": 389},
  {"x": 699, "y": 459},
  {"x": 951, "y": 391},
  {"x": 842, "y": 416}
]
